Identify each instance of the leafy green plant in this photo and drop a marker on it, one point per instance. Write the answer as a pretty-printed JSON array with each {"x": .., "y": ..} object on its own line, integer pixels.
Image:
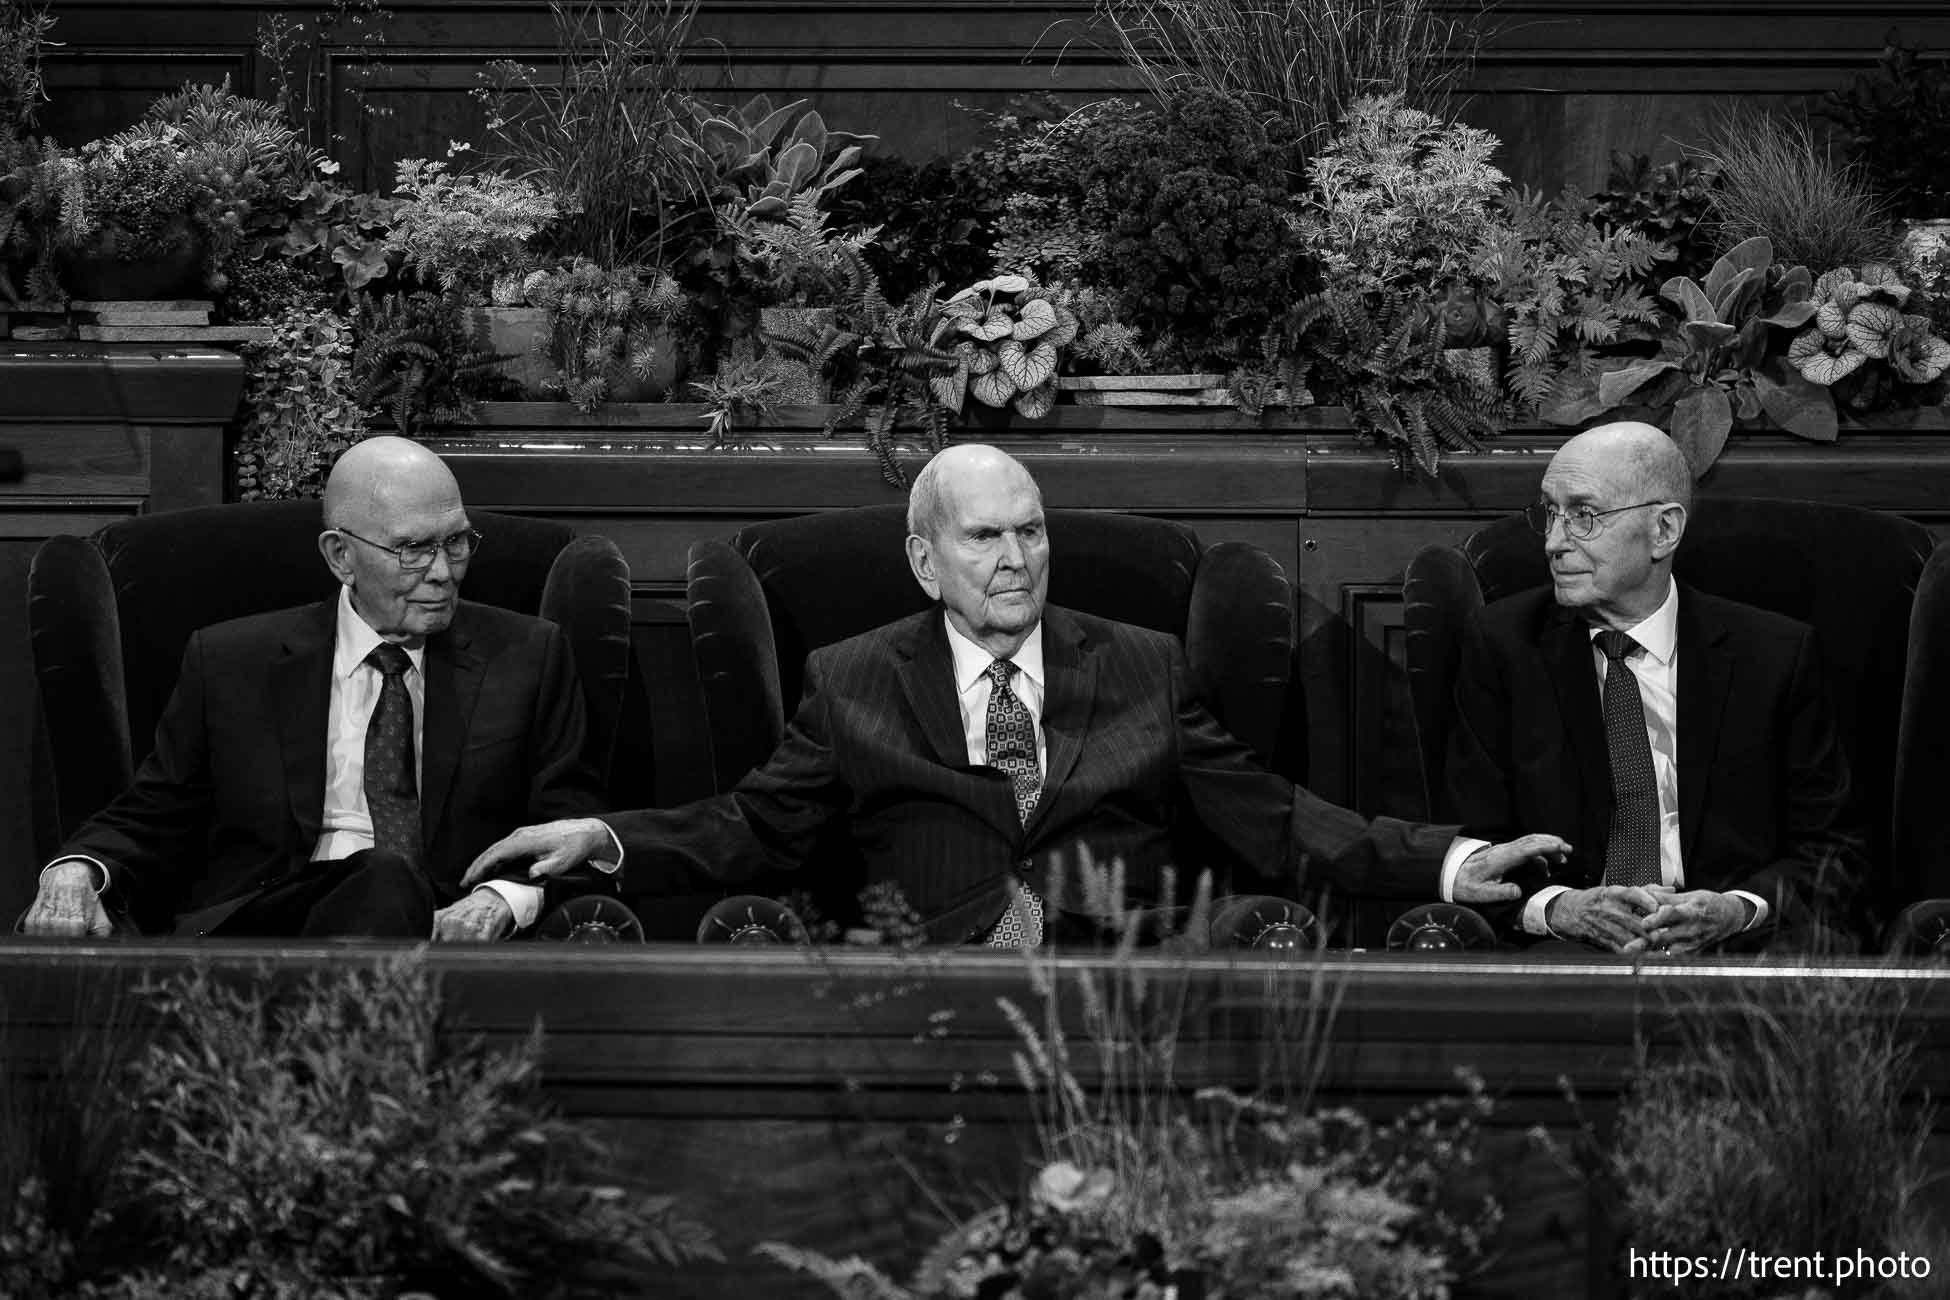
[
  {"x": 743, "y": 392},
  {"x": 1896, "y": 122},
  {"x": 610, "y": 131},
  {"x": 1720, "y": 357},
  {"x": 338, "y": 235},
  {"x": 463, "y": 231},
  {"x": 24, "y": 33},
  {"x": 1862, "y": 343},
  {"x": 889, "y": 366},
  {"x": 604, "y": 327},
  {"x": 799, "y": 262},
  {"x": 1010, "y": 337},
  {"x": 1779, "y": 183},
  {"x": 415, "y": 360},
  {"x": 1139, "y": 1185},
  {"x": 331, "y": 1136},
  {"x": 1566, "y": 287},
  {"x": 1400, "y": 199},
  {"x": 300, "y": 406},
  {"x": 1199, "y": 245},
  {"x": 764, "y": 157},
  {"x": 1307, "y": 61},
  {"x": 1669, "y": 203},
  {"x": 1383, "y": 355}
]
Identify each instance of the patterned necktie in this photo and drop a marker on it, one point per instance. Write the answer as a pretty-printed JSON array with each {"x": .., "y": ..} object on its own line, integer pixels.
[
  {"x": 1632, "y": 849},
  {"x": 392, "y": 788},
  {"x": 1012, "y": 747}
]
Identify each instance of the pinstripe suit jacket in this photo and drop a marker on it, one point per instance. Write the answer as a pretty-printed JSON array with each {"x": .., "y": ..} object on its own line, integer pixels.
[{"x": 878, "y": 741}]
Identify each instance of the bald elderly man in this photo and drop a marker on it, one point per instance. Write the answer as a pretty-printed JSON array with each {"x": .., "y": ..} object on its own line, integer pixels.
[
  {"x": 1684, "y": 744},
  {"x": 965, "y": 749},
  {"x": 330, "y": 770}
]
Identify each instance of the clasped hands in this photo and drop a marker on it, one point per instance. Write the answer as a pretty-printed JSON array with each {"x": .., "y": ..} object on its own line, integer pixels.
[
  {"x": 1646, "y": 918},
  {"x": 67, "y": 905}
]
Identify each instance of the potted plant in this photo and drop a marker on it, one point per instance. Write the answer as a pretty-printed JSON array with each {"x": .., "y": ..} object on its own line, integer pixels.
[
  {"x": 469, "y": 234},
  {"x": 610, "y": 332}
]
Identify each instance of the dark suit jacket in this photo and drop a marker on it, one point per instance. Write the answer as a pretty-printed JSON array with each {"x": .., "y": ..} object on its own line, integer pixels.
[
  {"x": 1763, "y": 783},
  {"x": 878, "y": 741},
  {"x": 231, "y": 800}
]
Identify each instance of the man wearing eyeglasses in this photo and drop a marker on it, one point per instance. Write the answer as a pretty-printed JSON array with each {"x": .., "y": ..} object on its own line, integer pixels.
[
  {"x": 1683, "y": 743},
  {"x": 330, "y": 770}
]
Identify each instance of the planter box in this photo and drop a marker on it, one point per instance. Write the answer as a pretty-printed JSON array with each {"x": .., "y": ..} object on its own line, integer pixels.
[{"x": 1145, "y": 390}]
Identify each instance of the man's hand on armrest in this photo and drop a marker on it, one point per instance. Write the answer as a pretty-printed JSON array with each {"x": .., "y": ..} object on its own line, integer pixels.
[
  {"x": 1480, "y": 877},
  {"x": 549, "y": 850},
  {"x": 68, "y": 903}
]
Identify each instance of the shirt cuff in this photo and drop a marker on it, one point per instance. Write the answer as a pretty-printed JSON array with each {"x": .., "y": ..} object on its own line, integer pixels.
[
  {"x": 524, "y": 900},
  {"x": 1537, "y": 907},
  {"x": 1459, "y": 849},
  {"x": 1760, "y": 907},
  {"x": 101, "y": 872},
  {"x": 612, "y": 866}
]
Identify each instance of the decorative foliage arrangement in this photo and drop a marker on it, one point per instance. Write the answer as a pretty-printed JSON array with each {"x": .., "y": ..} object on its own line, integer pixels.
[
  {"x": 414, "y": 360},
  {"x": 1400, "y": 198},
  {"x": 1141, "y": 1185},
  {"x": 1012, "y": 337},
  {"x": 331, "y": 1137},
  {"x": 603, "y": 326},
  {"x": 1567, "y": 289},
  {"x": 1778, "y": 182},
  {"x": 465, "y": 232},
  {"x": 300, "y": 406}
]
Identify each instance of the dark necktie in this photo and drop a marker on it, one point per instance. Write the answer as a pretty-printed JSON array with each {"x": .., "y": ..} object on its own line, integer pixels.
[
  {"x": 1632, "y": 849},
  {"x": 392, "y": 787},
  {"x": 1011, "y": 735}
]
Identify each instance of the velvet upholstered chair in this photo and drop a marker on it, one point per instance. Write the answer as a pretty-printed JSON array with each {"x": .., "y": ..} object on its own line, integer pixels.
[
  {"x": 1850, "y": 573},
  {"x": 762, "y": 601},
  {"x": 110, "y": 614}
]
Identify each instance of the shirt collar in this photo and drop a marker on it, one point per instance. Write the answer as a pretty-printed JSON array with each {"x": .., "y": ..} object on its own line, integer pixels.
[
  {"x": 972, "y": 662},
  {"x": 354, "y": 639},
  {"x": 1658, "y": 632}
]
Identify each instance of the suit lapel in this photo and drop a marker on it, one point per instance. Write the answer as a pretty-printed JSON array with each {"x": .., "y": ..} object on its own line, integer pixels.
[
  {"x": 1705, "y": 678},
  {"x": 301, "y": 687},
  {"x": 454, "y": 673},
  {"x": 1068, "y": 695},
  {"x": 1566, "y": 646},
  {"x": 927, "y": 678}
]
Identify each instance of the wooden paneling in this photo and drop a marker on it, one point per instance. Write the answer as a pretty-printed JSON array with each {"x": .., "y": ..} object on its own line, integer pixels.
[
  {"x": 826, "y": 1097},
  {"x": 1564, "y": 82},
  {"x": 1330, "y": 509}
]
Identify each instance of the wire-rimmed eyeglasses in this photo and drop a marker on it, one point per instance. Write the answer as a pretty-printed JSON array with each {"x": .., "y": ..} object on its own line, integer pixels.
[
  {"x": 1580, "y": 522},
  {"x": 417, "y": 557}
]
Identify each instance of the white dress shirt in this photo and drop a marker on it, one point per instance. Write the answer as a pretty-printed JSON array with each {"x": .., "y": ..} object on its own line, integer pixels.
[
  {"x": 347, "y": 825},
  {"x": 973, "y": 688},
  {"x": 1656, "y": 666}
]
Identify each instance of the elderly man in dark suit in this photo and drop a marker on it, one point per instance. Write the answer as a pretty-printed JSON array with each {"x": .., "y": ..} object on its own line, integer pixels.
[
  {"x": 329, "y": 770},
  {"x": 1683, "y": 743},
  {"x": 966, "y": 748}
]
